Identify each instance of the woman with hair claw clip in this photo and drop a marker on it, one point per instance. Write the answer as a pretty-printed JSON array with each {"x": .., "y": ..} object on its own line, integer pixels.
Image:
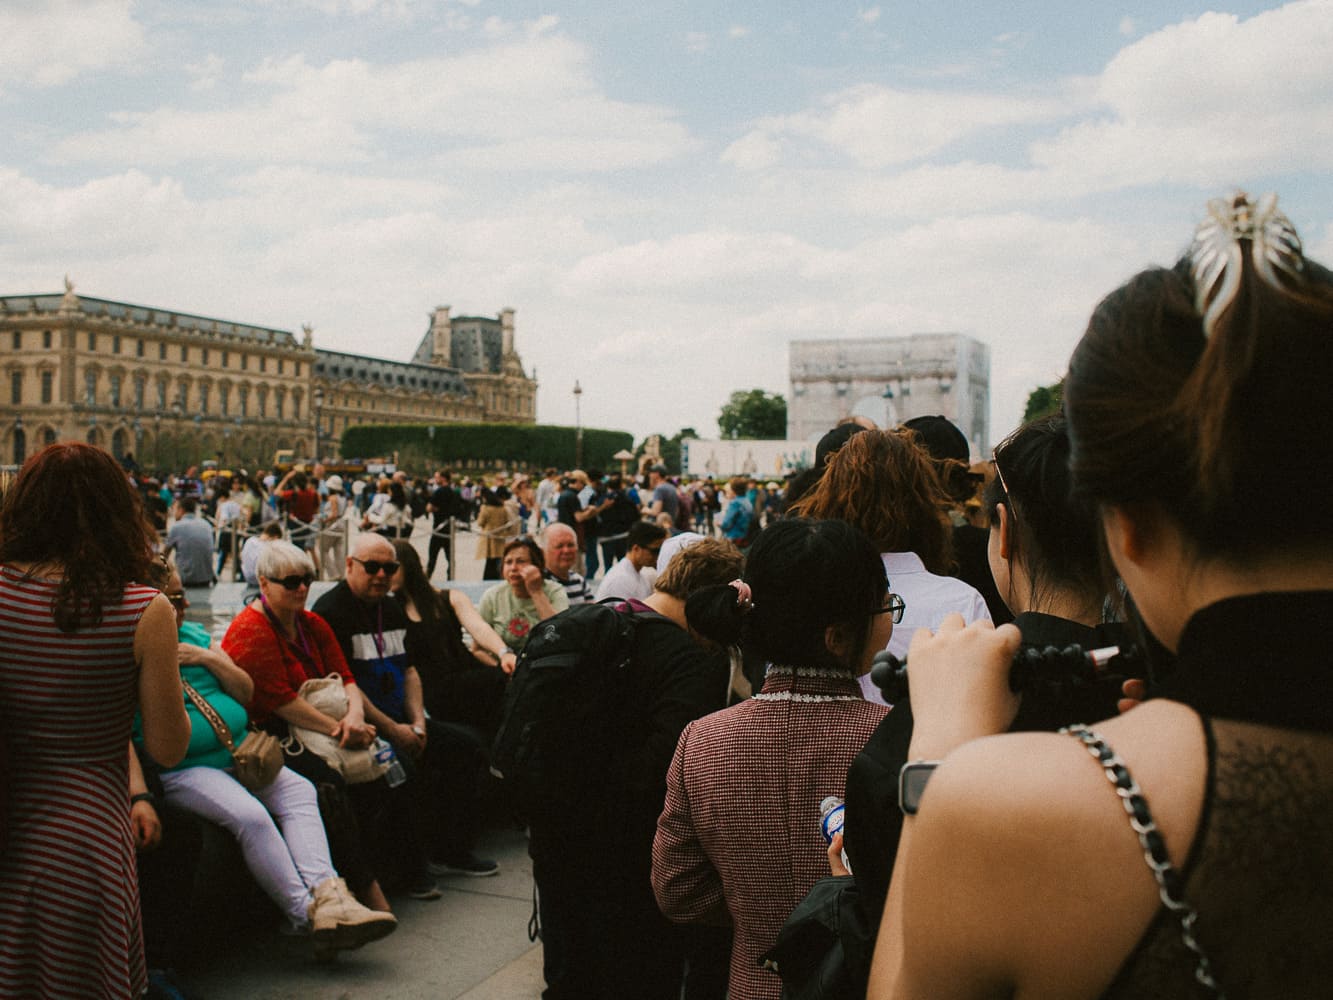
[
  {"x": 1181, "y": 849},
  {"x": 739, "y": 840}
]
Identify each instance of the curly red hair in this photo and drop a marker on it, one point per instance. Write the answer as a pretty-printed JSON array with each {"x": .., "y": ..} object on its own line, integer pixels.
[{"x": 885, "y": 484}]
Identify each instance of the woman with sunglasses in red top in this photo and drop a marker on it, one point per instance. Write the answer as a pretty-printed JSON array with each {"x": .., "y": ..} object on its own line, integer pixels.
[{"x": 281, "y": 646}]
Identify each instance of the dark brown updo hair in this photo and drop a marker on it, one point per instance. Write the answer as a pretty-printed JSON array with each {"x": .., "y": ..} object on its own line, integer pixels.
[
  {"x": 1052, "y": 532},
  {"x": 1228, "y": 434}
]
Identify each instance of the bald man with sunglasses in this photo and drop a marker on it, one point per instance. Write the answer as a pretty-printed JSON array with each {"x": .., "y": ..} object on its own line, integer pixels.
[{"x": 443, "y": 760}]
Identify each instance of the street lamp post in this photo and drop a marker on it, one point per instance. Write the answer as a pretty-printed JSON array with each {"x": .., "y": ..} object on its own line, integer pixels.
[
  {"x": 177, "y": 411},
  {"x": 20, "y": 440},
  {"x": 578, "y": 425},
  {"x": 319, "y": 416},
  {"x": 157, "y": 441}
]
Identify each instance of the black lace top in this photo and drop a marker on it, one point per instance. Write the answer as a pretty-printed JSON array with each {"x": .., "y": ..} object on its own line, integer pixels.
[{"x": 1259, "y": 672}]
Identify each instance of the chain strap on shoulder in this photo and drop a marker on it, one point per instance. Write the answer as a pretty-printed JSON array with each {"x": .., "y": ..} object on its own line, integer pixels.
[{"x": 1141, "y": 820}]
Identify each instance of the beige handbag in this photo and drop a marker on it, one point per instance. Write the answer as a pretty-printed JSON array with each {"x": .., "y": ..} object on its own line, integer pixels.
[
  {"x": 329, "y": 696},
  {"x": 257, "y": 760}
]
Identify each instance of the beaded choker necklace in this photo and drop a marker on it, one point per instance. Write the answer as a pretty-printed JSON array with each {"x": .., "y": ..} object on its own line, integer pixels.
[{"x": 786, "y": 670}]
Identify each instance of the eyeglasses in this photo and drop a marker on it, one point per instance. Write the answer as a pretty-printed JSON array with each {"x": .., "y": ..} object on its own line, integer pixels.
[
  {"x": 893, "y": 605},
  {"x": 374, "y": 566},
  {"x": 294, "y": 582},
  {"x": 177, "y": 600}
]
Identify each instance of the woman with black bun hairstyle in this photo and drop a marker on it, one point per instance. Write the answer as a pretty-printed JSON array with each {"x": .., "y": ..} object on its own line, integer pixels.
[
  {"x": 739, "y": 840},
  {"x": 1196, "y": 403}
]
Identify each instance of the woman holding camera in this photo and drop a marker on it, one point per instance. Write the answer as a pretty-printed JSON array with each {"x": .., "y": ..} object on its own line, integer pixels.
[{"x": 1195, "y": 403}]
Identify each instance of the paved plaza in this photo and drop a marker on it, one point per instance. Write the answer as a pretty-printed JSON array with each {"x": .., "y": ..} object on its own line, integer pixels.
[{"x": 470, "y": 945}]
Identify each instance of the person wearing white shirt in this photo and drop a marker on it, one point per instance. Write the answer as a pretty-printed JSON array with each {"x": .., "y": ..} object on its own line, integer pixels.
[{"x": 886, "y": 484}]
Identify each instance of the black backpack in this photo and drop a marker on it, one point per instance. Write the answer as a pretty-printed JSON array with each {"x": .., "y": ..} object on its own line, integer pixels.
[{"x": 557, "y": 738}]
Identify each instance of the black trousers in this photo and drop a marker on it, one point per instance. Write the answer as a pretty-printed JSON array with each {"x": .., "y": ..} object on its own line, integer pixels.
[
  {"x": 603, "y": 937},
  {"x": 439, "y": 543},
  {"x": 444, "y": 790}
]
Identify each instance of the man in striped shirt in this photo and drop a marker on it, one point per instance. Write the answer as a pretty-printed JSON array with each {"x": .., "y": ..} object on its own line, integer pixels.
[{"x": 560, "y": 546}]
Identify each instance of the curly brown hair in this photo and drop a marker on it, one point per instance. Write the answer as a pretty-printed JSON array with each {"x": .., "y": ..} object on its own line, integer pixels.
[
  {"x": 72, "y": 508},
  {"x": 885, "y": 484}
]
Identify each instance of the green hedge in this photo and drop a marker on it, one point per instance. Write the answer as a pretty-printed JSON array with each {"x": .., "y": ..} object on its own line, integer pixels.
[{"x": 526, "y": 446}]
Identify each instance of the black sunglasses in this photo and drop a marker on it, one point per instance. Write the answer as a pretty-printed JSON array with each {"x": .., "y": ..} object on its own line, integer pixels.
[
  {"x": 373, "y": 566},
  {"x": 177, "y": 600},
  {"x": 893, "y": 605},
  {"x": 295, "y": 581}
]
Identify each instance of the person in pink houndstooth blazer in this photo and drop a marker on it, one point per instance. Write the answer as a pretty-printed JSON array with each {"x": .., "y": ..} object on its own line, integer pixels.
[{"x": 739, "y": 841}]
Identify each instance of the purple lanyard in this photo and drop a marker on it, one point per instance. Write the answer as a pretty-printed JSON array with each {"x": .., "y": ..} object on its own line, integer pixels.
[
  {"x": 378, "y": 634},
  {"x": 300, "y": 632}
]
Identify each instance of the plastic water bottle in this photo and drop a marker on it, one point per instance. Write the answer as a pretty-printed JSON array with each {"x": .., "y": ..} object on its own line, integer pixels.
[
  {"x": 384, "y": 754},
  {"x": 832, "y": 812}
]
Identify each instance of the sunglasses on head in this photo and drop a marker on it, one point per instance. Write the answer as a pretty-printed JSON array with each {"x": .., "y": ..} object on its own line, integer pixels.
[
  {"x": 177, "y": 600},
  {"x": 374, "y": 566},
  {"x": 295, "y": 581}
]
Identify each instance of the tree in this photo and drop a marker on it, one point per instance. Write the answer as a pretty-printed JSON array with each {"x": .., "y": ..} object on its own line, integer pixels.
[
  {"x": 1043, "y": 400},
  {"x": 753, "y": 413}
]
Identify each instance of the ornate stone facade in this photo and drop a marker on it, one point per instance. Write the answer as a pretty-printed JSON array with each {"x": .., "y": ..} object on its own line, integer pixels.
[
  {"x": 175, "y": 389},
  {"x": 889, "y": 380}
]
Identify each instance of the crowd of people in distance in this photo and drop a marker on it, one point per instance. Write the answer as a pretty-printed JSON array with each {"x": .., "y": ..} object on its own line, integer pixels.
[{"x": 1054, "y": 724}]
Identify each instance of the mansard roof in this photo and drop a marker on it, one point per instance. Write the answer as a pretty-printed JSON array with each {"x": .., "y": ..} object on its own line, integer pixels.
[
  {"x": 169, "y": 319},
  {"x": 389, "y": 374}
]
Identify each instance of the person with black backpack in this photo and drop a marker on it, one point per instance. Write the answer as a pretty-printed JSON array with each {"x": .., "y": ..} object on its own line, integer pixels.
[{"x": 598, "y": 700}]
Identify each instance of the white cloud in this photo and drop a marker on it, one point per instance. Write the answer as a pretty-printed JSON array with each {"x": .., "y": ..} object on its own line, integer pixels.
[
  {"x": 737, "y": 31},
  {"x": 1209, "y": 102},
  {"x": 397, "y": 9},
  {"x": 530, "y": 103},
  {"x": 53, "y": 43},
  {"x": 207, "y": 72},
  {"x": 753, "y": 151},
  {"x": 117, "y": 210},
  {"x": 876, "y": 126},
  {"x": 707, "y": 264},
  {"x": 1128, "y": 26},
  {"x": 870, "y": 15},
  {"x": 696, "y": 41}
]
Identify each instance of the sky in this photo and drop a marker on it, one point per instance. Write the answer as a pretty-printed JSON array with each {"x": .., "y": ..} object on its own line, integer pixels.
[{"x": 666, "y": 193}]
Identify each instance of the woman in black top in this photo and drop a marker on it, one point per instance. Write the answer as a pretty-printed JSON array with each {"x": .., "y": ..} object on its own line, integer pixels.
[
  {"x": 1197, "y": 403},
  {"x": 458, "y": 684}
]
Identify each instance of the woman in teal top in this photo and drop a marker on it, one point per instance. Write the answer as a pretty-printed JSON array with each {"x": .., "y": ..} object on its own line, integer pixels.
[{"x": 278, "y": 827}]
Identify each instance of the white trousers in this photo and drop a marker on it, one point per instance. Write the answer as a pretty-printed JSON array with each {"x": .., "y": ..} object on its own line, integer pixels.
[{"x": 286, "y": 864}]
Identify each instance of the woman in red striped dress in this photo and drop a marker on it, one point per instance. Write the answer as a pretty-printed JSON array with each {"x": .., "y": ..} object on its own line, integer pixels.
[{"x": 80, "y": 645}]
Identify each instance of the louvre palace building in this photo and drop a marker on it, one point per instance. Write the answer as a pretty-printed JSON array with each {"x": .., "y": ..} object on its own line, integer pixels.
[{"x": 175, "y": 389}]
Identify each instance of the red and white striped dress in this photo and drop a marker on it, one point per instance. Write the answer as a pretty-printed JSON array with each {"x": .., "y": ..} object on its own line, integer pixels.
[{"x": 69, "y": 896}]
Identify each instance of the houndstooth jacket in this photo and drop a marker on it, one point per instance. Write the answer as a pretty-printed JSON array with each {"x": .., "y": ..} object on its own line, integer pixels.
[{"x": 739, "y": 840}]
